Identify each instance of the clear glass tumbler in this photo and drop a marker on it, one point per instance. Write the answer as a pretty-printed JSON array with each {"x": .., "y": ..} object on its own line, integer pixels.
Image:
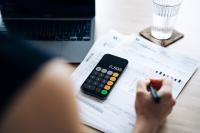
[{"x": 164, "y": 17}]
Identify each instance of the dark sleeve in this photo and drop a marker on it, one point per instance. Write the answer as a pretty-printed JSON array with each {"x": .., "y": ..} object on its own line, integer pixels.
[{"x": 18, "y": 62}]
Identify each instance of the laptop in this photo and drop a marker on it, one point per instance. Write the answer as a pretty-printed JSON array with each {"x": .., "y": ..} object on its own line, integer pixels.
[{"x": 64, "y": 27}]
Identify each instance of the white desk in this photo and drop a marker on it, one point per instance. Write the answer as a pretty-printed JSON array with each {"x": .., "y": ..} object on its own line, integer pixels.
[{"x": 131, "y": 16}]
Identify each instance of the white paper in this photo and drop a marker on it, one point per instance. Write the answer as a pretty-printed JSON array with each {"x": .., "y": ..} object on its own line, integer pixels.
[{"x": 117, "y": 113}]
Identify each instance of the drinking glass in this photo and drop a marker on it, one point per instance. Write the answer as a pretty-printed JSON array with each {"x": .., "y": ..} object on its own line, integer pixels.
[{"x": 164, "y": 16}]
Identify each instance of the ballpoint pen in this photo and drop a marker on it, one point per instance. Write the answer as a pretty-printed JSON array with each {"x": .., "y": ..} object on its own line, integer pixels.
[{"x": 154, "y": 94}]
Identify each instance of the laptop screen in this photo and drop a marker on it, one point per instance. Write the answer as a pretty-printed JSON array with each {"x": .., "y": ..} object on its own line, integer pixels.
[{"x": 47, "y": 8}]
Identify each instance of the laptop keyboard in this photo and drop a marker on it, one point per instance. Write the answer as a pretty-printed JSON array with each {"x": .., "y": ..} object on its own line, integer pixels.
[{"x": 51, "y": 30}]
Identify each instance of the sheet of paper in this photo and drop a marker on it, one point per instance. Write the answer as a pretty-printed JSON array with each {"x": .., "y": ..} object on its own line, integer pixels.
[
  {"x": 155, "y": 61},
  {"x": 117, "y": 114}
]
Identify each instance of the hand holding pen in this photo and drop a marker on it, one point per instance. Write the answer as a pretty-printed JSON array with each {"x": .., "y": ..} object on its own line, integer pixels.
[{"x": 154, "y": 102}]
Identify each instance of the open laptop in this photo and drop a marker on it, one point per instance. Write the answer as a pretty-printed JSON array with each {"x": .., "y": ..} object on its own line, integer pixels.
[{"x": 65, "y": 27}]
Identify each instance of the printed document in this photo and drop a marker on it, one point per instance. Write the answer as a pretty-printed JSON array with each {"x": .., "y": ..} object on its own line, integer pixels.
[{"x": 117, "y": 114}]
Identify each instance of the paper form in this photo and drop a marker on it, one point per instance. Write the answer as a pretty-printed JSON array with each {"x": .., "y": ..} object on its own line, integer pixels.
[
  {"x": 156, "y": 61},
  {"x": 117, "y": 113}
]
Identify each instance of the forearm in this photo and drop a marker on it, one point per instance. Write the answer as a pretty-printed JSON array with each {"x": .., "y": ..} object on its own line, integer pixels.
[
  {"x": 45, "y": 104},
  {"x": 145, "y": 126}
]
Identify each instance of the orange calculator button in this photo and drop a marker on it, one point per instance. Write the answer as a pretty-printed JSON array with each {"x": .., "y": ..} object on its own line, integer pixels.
[
  {"x": 106, "y": 87},
  {"x": 115, "y": 74},
  {"x": 113, "y": 79},
  {"x": 110, "y": 83}
]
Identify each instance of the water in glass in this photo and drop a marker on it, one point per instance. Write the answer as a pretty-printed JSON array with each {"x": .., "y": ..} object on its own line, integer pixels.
[{"x": 164, "y": 17}]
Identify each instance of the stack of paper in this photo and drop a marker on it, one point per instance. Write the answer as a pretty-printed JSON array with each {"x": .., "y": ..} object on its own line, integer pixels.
[{"x": 117, "y": 113}]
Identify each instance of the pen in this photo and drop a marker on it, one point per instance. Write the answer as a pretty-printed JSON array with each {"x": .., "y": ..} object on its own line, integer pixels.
[{"x": 154, "y": 94}]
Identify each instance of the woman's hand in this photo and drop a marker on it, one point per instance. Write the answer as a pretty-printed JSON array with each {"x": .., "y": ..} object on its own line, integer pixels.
[{"x": 151, "y": 115}]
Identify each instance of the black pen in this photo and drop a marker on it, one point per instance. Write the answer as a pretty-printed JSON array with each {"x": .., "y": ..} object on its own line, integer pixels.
[{"x": 154, "y": 94}]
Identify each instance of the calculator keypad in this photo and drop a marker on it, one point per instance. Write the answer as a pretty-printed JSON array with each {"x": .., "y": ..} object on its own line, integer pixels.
[{"x": 101, "y": 81}]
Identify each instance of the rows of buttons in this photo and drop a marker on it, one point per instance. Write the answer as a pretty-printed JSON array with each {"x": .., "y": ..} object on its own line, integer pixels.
[{"x": 101, "y": 80}]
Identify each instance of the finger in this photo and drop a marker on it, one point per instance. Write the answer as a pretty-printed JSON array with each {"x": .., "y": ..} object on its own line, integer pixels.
[
  {"x": 166, "y": 89},
  {"x": 142, "y": 85},
  {"x": 172, "y": 103},
  {"x": 142, "y": 88}
]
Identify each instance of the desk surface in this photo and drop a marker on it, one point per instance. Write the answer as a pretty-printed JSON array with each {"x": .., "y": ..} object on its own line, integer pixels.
[{"x": 131, "y": 16}]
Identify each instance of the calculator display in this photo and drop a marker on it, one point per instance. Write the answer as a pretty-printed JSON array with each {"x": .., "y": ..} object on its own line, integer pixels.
[{"x": 102, "y": 79}]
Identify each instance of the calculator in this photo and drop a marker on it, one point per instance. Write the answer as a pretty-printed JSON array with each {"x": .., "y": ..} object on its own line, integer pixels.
[{"x": 102, "y": 79}]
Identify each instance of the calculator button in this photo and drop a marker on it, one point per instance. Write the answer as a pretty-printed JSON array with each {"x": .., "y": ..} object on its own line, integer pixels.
[
  {"x": 95, "y": 83},
  {"x": 101, "y": 75},
  {"x": 92, "y": 77},
  {"x": 95, "y": 73},
  {"x": 104, "y": 71},
  {"x": 107, "y": 77},
  {"x": 98, "y": 79},
  {"x": 98, "y": 89},
  {"x": 110, "y": 83},
  {"x": 101, "y": 85},
  {"x": 103, "y": 81},
  {"x": 104, "y": 92},
  {"x": 89, "y": 81},
  {"x": 109, "y": 72},
  {"x": 85, "y": 85},
  {"x": 106, "y": 87},
  {"x": 98, "y": 69},
  {"x": 115, "y": 74},
  {"x": 90, "y": 87},
  {"x": 113, "y": 79}
]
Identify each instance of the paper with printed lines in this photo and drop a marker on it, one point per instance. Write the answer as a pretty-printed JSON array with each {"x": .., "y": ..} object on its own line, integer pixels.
[{"x": 117, "y": 113}]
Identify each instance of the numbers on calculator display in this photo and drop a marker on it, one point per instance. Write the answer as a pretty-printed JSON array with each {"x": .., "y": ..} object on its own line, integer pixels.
[{"x": 115, "y": 68}]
